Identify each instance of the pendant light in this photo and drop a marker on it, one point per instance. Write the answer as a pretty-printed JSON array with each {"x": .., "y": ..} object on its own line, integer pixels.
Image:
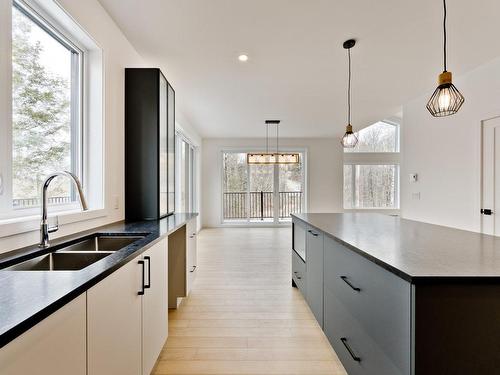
[
  {"x": 446, "y": 99},
  {"x": 349, "y": 140},
  {"x": 273, "y": 157}
]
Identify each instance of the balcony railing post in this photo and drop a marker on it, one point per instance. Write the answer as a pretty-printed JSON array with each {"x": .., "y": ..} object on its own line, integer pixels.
[{"x": 261, "y": 205}]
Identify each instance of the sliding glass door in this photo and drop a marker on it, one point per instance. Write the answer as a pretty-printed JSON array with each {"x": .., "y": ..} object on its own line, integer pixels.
[
  {"x": 260, "y": 193},
  {"x": 291, "y": 189}
]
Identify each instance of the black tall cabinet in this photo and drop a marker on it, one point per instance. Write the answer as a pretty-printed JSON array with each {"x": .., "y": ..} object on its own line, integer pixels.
[{"x": 149, "y": 145}]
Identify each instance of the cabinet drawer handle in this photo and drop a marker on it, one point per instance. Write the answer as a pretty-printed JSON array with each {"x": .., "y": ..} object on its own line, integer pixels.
[
  {"x": 141, "y": 292},
  {"x": 148, "y": 285},
  {"x": 354, "y": 356},
  {"x": 314, "y": 234},
  {"x": 344, "y": 279},
  {"x": 194, "y": 267}
]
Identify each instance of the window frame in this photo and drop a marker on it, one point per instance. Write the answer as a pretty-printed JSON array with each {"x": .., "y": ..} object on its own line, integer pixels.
[
  {"x": 77, "y": 95},
  {"x": 92, "y": 139},
  {"x": 376, "y": 158},
  {"x": 397, "y": 141},
  {"x": 276, "y": 219}
]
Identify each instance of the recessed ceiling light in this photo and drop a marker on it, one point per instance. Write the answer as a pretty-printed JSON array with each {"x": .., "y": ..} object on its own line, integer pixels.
[{"x": 243, "y": 57}]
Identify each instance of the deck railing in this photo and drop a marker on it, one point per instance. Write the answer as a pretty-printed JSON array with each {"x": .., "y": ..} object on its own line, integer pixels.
[
  {"x": 260, "y": 204},
  {"x": 34, "y": 202}
]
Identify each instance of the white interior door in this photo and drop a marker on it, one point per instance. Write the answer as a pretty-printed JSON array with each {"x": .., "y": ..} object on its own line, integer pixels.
[{"x": 490, "y": 202}]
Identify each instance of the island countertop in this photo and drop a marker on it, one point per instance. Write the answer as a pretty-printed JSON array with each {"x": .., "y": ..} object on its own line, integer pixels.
[
  {"x": 27, "y": 297},
  {"x": 415, "y": 251}
]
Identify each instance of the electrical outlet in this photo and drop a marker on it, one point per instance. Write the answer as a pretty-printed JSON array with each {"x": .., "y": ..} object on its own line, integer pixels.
[
  {"x": 116, "y": 202},
  {"x": 415, "y": 196}
]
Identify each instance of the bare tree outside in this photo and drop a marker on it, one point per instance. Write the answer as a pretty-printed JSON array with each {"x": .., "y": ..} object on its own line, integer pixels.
[
  {"x": 379, "y": 137},
  {"x": 40, "y": 111},
  {"x": 372, "y": 186}
]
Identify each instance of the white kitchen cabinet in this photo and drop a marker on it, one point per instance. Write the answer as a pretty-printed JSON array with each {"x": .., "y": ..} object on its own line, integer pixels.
[
  {"x": 56, "y": 345},
  {"x": 154, "y": 305},
  {"x": 114, "y": 313},
  {"x": 127, "y": 316},
  {"x": 191, "y": 263}
]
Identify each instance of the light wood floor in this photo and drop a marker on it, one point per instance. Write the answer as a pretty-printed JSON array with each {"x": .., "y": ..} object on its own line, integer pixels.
[{"x": 243, "y": 316}]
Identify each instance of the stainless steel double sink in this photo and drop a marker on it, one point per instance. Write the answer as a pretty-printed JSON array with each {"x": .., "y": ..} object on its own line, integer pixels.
[{"x": 78, "y": 255}]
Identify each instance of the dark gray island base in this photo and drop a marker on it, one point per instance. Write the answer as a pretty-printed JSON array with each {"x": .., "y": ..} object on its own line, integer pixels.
[{"x": 396, "y": 296}]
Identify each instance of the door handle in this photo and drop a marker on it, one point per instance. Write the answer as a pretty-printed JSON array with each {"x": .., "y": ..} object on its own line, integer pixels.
[
  {"x": 148, "y": 285},
  {"x": 345, "y": 280},
  {"x": 141, "y": 292},
  {"x": 194, "y": 267},
  {"x": 314, "y": 234},
  {"x": 354, "y": 356},
  {"x": 486, "y": 211}
]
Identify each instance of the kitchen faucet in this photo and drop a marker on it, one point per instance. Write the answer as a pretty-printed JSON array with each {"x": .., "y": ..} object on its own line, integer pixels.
[{"x": 44, "y": 225}]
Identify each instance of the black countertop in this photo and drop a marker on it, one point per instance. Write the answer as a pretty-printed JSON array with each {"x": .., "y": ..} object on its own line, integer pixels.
[
  {"x": 27, "y": 297},
  {"x": 415, "y": 251}
]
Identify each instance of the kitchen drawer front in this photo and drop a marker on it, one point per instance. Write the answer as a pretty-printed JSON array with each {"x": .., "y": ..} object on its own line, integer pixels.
[
  {"x": 299, "y": 272},
  {"x": 299, "y": 235},
  {"x": 359, "y": 352},
  {"x": 314, "y": 273},
  {"x": 381, "y": 306}
]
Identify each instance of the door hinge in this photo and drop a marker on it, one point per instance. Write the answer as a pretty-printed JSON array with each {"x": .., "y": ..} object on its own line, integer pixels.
[{"x": 486, "y": 211}]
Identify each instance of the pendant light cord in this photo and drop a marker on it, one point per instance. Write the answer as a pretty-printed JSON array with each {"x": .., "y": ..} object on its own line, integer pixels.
[
  {"x": 349, "y": 88},
  {"x": 444, "y": 34}
]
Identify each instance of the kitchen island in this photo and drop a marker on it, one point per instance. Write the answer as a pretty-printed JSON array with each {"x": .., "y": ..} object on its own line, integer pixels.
[{"x": 396, "y": 296}]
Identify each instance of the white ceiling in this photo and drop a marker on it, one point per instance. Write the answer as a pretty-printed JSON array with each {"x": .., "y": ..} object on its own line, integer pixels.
[{"x": 297, "y": 66}]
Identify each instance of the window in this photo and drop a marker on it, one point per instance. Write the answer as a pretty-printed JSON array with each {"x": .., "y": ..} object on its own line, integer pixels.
[
  {"x": 44, "y": 129},
  {"x": 261, "y": 193},
  {"x": 185, "y": 178},
  {"x": 371, "y": 170},
  {"x": 46, "y": 118},
  {"x": 370, "y": 186},
  {"x": 383, "y": 136}
]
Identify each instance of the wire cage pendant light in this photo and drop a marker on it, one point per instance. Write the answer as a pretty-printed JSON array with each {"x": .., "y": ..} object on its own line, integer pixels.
[
  {"x": 273, "y": 157},
  {"x": 446, "y": 100},
  {"x": 349, "y": 140}
]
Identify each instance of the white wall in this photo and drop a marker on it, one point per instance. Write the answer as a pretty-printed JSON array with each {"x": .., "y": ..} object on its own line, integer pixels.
[
  {"x": 445, "y": 152},
  {"x": 118, "y": 54},
  {"x": 324, "y": 169}
]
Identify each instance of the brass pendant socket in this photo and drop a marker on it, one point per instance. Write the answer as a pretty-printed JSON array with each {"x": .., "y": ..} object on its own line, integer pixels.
[
  {"x": 444, "y": 78},
  {"x": 348, "y": 128}
]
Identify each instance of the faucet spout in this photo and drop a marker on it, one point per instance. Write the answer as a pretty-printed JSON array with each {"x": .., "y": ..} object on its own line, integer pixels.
[{"x": 44, "y": 225}]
